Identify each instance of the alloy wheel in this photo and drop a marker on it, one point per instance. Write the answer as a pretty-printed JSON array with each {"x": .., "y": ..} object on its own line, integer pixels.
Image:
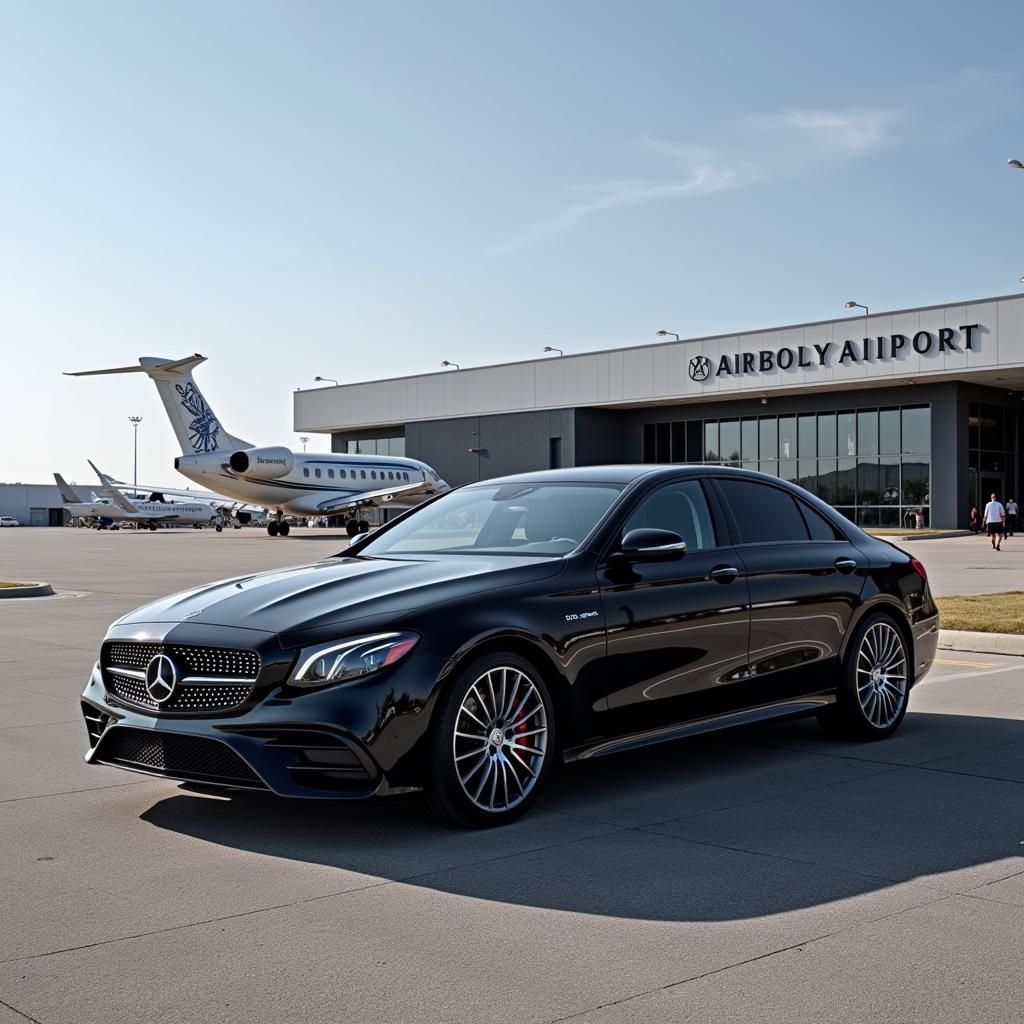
[
  {"x": 500, "y": 739},
  {"x": 882, "y": 675}
]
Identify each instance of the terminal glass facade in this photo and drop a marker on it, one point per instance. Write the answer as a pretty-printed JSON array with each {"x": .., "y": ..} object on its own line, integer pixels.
[
  {"x": 992, "y": 452},
  {"x": 375, "y": 446},
  {"x": 873, "y": 465}
]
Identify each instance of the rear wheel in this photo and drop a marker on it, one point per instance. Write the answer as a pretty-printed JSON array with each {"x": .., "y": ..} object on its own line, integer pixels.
[
  {"x": 272, "y": 528},
  {"x": 875, "y": 687},
  {"x": 284, "y": 529},
  {"x": 492, "y": 743}
]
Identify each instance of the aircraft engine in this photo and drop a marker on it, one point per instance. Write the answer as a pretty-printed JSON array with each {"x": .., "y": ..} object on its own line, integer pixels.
[{"x": 262, "y": 463}]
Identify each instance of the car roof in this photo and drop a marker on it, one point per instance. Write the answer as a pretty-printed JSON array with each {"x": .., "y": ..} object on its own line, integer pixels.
[{"x": 620, "y": 474}]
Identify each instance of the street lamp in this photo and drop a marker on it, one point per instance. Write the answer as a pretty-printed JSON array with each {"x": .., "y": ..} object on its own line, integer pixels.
[
  {"x": 1016, "y": 165},
  {"x": 327, "y": 380},
  {"x": 665, "y": 334},
  {"x": 856, "y": 305},
  {"x": 551, "y": 348},
  {"x": 447, "y": 363},
  {"x": 135, "y": 421},
  {"x": 305, "y": 441}
]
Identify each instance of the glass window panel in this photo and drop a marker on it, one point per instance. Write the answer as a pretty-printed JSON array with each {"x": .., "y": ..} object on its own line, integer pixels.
[
  {"x": 749, "y": 464},
  {"x": 787, "y": 437},
  {"x": 787, "y": 470},
  {"x": 807, "y": 474},
  {"x": 827, "y": 480},
  {"x": 763, "y": 513},
  {"x": 711, "y": 440},
  {"x": 991, "y": 428},
  {"x": 846, "y": 481},
  {"x": 973, "y": 426},
  {"x": 769, "y": 466},
  {"x": 769, "y": 431},
  {"x": 917, "y": 427},
  {"x": 748, "y": 439},
  {"x": 846, "y": 425},
  {"x": 867, "y": 432},
  {"x": 678, "y": 442},
  {"x": 729, "y": 440},
  {"x": 1010, "y": 424},
  {"x": 694, "y": 439},
  {"x": 849, "y": 513},
  {"x": 663, "y": 453},
  {"x": 807, "y": 429},
  {"x": 867, "y": 482},
  {"x": 827, "y": 434},
  {"x": 820, "y": 528},
  {"x": 889, "y": 517},
  {"x": 889, "y": 480},
  {"x": 397, "y": 446},
  {"x": 889, "y": 432},
  {"x": 867, "y": 516},
  {"x": 915, "y": 482},
  {"x": 649, "y": 442},
  {"x": 680, "y": 507}
]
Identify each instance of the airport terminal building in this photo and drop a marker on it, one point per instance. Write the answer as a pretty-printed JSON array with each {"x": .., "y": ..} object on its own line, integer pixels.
[{"x": 884, "y": 416}]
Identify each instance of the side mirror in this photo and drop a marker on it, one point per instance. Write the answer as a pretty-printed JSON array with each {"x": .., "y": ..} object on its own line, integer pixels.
[{"x": 648, "y": 545}]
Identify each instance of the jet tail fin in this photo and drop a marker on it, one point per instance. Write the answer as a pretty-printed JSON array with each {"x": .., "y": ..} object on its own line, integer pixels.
[
  {"x": 108, "y": 490},
  {"x": 195, "y": 424},
  {"x": 67, "y": 493}
]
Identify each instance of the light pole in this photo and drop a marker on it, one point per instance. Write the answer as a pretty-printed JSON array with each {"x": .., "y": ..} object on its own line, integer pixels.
[
  {"x": 135, "y": 421},
  {"x": 447, "y": 363},
  {"x": 856, "y": 305},
  {"x": 551, "y": 348},
  {"x": 305, "y": 441},
  {"x": 665, "y": 334},
  {"x": 327, "y": 380}
]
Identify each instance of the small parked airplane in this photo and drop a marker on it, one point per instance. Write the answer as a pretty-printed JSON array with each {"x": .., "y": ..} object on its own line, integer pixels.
[
  {"x": 114, "y": 507},
  {"x": 275, "y": 478}
]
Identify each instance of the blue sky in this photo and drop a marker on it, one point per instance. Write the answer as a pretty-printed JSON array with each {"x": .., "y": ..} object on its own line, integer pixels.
[{"x": 361, "y": 190}]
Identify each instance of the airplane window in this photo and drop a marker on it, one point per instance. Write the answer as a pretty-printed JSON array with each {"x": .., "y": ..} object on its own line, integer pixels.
[
  {"x": 330, "y": 473},
  {"x": 362, "y": 473},
  {"x": 391, "y": 476},
  {"x": 305, "y": 471},
  {"x": 317, "y": 471},
  {"x": 341, "y": 473}
]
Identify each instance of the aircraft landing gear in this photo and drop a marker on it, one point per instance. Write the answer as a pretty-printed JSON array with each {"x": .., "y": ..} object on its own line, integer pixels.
[
  {"x": 283, "y": 529},
  {"x": 152, "y": 526},
  {"x": 272, "y": 527},
  {"x": 218, "y": 528},
  {"x": 278, "y": 526},
  {"x": 352, "y": 527}
]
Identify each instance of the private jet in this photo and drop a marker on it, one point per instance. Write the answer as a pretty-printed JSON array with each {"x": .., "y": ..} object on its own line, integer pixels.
[{"x": 283, "y": 482}]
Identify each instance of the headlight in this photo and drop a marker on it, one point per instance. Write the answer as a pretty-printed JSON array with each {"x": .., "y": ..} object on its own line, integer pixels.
[{"x": 343, "y": 660}]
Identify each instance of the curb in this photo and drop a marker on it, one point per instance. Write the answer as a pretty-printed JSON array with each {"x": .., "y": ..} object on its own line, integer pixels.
[
  {"x": 945, "y": 535},
  {"x": 981, "y": 643},
  {"x": 29, "y": 590}
]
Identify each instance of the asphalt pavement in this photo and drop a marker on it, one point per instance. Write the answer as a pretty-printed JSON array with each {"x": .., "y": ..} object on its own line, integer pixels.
[{"x": 767, "y": 874}]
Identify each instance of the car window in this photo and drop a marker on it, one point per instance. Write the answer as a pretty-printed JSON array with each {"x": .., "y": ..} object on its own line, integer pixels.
[
  {"x": 820, "y": 528},
  {"x": 680, "y": 507},
  {"x": 763, "y": 513}
]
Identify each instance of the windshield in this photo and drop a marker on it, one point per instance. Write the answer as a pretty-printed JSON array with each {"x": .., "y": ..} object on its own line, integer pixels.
[{"x": 521, "y": 519}]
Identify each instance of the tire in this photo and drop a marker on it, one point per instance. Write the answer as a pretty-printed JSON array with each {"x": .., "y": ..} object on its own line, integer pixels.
[
  {"x": 874, "y": 691},
  {"x": 218, "y": 528},
  {"x": 284, "y": 529},
  {"x": 352, "y": 528},
  {"x": 272, "y": 528},
  {"x": 481, "y": 773}
]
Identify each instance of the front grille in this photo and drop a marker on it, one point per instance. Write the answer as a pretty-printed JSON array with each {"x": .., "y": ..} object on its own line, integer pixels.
[
  {"x": 190, "y": 697},
  {"x": 210, "y": 662},
  {"x": 195, "y": 758},
  {"x": 201, "y": 670}
]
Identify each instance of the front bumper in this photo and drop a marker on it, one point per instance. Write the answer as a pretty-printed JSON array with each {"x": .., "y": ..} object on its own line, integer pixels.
[{"x": 350, "y": 741}]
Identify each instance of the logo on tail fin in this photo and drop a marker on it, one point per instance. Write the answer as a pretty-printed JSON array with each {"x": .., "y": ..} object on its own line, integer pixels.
[{"x": 203, "y": 430}]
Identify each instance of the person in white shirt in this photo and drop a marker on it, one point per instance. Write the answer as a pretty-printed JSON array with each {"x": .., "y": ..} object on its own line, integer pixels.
[
  {"x": 1012, "y": 519},
  {"x": 995, "y": 516}
]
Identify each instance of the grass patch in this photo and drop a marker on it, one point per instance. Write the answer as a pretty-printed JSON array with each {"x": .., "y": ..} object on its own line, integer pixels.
[
  {"x": 983, "y": 613},
  {"x": 8, "y": 584}
]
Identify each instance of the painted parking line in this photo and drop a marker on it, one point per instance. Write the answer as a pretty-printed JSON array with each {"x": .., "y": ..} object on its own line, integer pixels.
[{"x": 966, "y": 664}]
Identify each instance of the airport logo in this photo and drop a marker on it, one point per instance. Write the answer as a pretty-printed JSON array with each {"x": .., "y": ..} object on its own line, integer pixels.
[
  {"x": 700, "y": 368},
  {"x": 161, "y": 678},
  {"x": 203, "y": 430},
  {"x": 868, "y": 350}
]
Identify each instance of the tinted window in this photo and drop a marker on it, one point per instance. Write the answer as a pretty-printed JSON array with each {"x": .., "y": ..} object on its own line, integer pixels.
[
  {"x": 763, "y": 513},
  {"x": 819, "y": 526},
  {"x": 680, "y": 507}
]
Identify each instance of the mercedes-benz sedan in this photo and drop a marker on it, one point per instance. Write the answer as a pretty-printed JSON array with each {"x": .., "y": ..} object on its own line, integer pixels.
[{"x": 481, "y": 638}]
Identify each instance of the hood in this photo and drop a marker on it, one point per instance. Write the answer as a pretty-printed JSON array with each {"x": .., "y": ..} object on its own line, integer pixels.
[{"x": 336, "y": 590}]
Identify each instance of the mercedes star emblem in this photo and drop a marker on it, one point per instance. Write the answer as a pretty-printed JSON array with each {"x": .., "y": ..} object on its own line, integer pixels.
[
  {"x": 161, "y": 678},
  {"x": 700, "y": 367}
]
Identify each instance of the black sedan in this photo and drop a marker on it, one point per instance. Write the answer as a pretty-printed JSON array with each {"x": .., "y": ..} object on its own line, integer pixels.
[{"x": 480, "y": 638}]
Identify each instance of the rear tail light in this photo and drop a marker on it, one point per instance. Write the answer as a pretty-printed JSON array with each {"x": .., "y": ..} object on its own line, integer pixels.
[{"x": 919, "y": 569}]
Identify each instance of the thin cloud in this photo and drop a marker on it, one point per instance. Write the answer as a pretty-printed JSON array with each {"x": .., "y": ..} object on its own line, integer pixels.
[{"x": 823, "y": 134}]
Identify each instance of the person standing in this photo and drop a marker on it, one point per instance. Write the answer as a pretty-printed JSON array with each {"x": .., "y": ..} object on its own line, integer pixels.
[
  {"x": 1012, "y": 520},
  {"x": 975, "y": 519},
  {"x": 995, "y": 517}
]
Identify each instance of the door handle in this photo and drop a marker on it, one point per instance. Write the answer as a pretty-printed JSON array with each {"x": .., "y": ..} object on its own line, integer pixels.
[
  {"x": 724, "y": 574},
  {"x": 845, "y": 564}
]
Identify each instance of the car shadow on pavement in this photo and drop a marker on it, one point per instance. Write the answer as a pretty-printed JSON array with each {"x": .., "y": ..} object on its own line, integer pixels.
[{"x": 753, "y": 822}]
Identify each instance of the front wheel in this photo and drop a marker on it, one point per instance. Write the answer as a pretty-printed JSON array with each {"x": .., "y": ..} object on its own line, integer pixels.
[
  {"x": 284, "y": 529},
  {"x": 492, "y": 743},
  {"x": 875, "y": 688}
]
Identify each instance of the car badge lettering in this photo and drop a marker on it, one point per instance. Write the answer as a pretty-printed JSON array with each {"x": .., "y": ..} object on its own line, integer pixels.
[{"x": 161, "y": 678}]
